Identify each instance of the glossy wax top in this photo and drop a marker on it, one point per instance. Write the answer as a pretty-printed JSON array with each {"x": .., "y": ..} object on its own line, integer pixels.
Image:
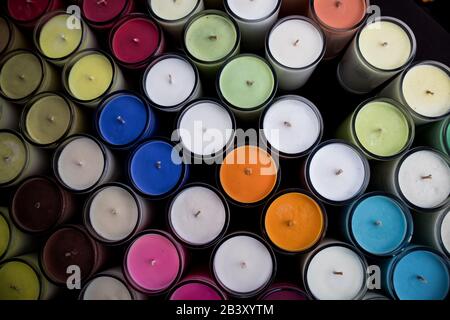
[
  {"x": 4, "y": 235},
  {"x": 340, "y": 14},
  {"x": 18, "y": 281},
  {"x": 13, "y": 156},
  {"x": 103, "y": 11},
  {"x": 252, "y": 10},
  {"x": 172, "y": 10},
  {"x": 195, "y": 291},
  {"x": 26, "y": 10}
]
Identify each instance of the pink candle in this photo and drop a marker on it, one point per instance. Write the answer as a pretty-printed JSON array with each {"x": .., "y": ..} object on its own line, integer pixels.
[
  {"x": 154, "y": 262},
  {"x": 197, "y": 287},
  {"x": 102, "y": 14},
  {"x": 27, "y": 12},
  {"x": 135, "y": 39}
]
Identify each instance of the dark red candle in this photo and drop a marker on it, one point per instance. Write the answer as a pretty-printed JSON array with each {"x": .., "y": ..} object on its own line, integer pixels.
[
  {"x": 102, "y": 14},
  {"x": 27, "y": 12}
]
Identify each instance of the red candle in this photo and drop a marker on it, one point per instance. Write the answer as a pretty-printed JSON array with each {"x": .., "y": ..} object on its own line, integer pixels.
[
  {"x": 102, "y": 14},
  {"x": 135, "y": 39},
  {"x": 27, "y": 12}
]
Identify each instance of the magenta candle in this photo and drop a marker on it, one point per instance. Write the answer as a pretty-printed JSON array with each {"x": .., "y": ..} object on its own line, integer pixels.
[
  {"x": 284, "y": 292},
  {"x": 154, "y": 262},
  {"x": 134, "y": 40},
  {"x": 197, "y": 287},
  {"x": 102, "y": 14},
  {"x": 27, "y": 12}
]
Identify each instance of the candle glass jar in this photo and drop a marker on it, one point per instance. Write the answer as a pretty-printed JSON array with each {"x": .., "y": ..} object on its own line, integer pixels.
[
  {"x": 197, "y": 280},
  {"x": 27, "y": 13},
  {"x": 436, "y": 135},
  {"x": 284, "y": 292},
  {"x": 9, "y": 115},
  {"x": 99, "y": 19},
  {"x": 13, "y": 38}
]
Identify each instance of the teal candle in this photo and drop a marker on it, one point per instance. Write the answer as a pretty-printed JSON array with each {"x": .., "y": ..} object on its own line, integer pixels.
[{"x": 436, "y": 135}]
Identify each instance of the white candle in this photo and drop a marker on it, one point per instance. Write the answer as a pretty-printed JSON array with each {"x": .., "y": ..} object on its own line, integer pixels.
[
  {"x": 198, "y": 215},
  {"x": 337, "y": 172},
  {"x": 334, "y": 271},
  {"x": 9, "y": 115},
  {"x": 106, "y": 288},
  {"x": 243, "y": 265},
  {"x": 170, "y": 82},
  {"x": 205, "y": 128},
  {"x": 254, "y": 17},
  {"x": 294, "y": 47},
  {"x": 292, "y": 125}
]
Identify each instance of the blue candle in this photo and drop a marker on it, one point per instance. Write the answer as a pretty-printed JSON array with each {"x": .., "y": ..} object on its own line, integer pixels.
[
  {"x": 378, "y": 224},
  {"x": 124, "y": 119},
  {"x": 156, "y": 169}
]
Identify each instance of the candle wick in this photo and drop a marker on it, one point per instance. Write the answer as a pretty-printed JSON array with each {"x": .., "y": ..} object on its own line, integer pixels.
[
  {"x": 170, "y": 79},
  {"x": 243, "y": 265},
  {"x": 384, "y": 44},
  {"x": 104, "y": 2},
  {"x": 429, "y": 92},
  {"x": 158, "y": 164},
  {"x": 338, "y": 4},
  {"x": 378, "y": 223},
  {"x": 51, "y": 118},
  {"x": 80, "y": 163},
  {"x": 248, "y": 171},
  {"x": 91, "y": 78},
  {"x": 114, "y": 211},
  {"x": 29, "y": 1},
  {"x": 290, "y": 223},
  {"x": 250, "y": 82},
  {"x": 296, "y": 43},
  {"x": 212, "y": 37},
  {"x": 7, "y": 159},
  {"x": 287, "y": 124},
  {"x": 339, "y": 172},
  {"x": 120, "y": 119},
  {"x": 14, "y": 287},
  {"x": 338, "y": 273},
  {"x": 71, "y": 253},
  {"x": 422, "y": 279},
  {"x": 197, "y": 213},
  {"x": 136, "y": 40},
  {"x": 63, "y": 37},
  {"x": 428, "y": 177},
  {"x": 37, "y": 205},
  {"x": 152, "y": 262},
  {"x": 22, "y": 77}
]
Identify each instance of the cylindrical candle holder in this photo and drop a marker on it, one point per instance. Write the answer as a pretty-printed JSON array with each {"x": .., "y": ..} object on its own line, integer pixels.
[
  {"x": 380, "y": 127},
  {"x": 379, "y": 51},
  {"x": 243, "y": 264},
  {"x": 102, "y": 15},
  {"x": 436, "y": 135},
  {"x": 294, "y": 47},
  {"x": 27, "y": 13},
  {"x": 9, "y": 115},
  {"x": 196, "y": 287},
  {"x": 284, "y": 292},
  {"x": 11, "y": 37}
]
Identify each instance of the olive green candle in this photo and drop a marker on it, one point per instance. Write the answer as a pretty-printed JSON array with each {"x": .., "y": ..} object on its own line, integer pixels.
[
  {"x": 436, "y": 135},
  {"x": 10, "y": 37}
]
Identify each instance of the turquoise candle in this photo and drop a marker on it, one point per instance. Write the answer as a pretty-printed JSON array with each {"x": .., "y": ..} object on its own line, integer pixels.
[{"x": 436, "y": 135}]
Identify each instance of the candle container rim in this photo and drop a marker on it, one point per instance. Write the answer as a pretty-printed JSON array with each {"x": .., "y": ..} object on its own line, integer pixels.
[
  {"x": 87, "y": 219},
  {"x": 253, "y": 204},
  {"x": 261, "y": 106},
  {"x": 158, "y": 18},
  {"x": 232, "y": 14},
  {"x": 42, "y": 63},
  {"x": 61, "y": 147},
  {"x": 398, "y": 106},
  {"x": 276, "y": 196},
  {"x": 106, "y": 274},
  {"x": 399, "y": 164},
  {"x": 181, "y": 258},
  {"x": 199, "y": 280},
  {"x": 156, "y": 60},
  {"x": 406, "y": 213},
  {"x": 200, "y": 14},
  {"x": 396, "y": 259},
  {"x": 30, "y": 23},
  {"x": 174, "y": 190},
  {"x": 283, "y": 286},
  {"x": 258, "y": 238},
  {"x": 30, "y": 104},
  {"x": 415, "y": 114},
  {"x": 121, "y": 22},
  {"x": 438, "y": 227},
  {"x": 8, "y": 221},
  {"x": 296, "y": 17},
  {"x": 224, "y": 228},
  {"x": 194, "y": 103},
  {"x": 11, "y": 34},
  {"x": 316, "y": 111},
  {"x": 362, "y": 157},
  {"x": 104, "y": 104},
  {"x": 445, "y": 134},
  {"x": 105, "y": 23},
  {"x": 335, "y": 243}
]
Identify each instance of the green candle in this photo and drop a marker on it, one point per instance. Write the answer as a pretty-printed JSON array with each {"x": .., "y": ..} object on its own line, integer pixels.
[
  {"x": 5, "y": 34},
  {"x": 18, "y": 281},
  {"x": 13, "y": 156},
  {"x": 436, "y": 135},
  {"x": 10, "y": 37},
  {"x": 4, "y": 235}
]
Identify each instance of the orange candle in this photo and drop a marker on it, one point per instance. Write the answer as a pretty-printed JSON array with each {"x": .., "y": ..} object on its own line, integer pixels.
[
  {"x": 294, "y": 222},
  {"x": 248, "y": 174}
]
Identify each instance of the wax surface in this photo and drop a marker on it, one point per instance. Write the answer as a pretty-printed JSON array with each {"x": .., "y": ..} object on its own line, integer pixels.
[
  {"x": 98, "y": 11},
  {"x": 90, "y": 77},
  {"x": 345, "y": 15},
  {"x": 294, "y": 222},
  {"x": 13, "y": 157},
  {"x": 18, "y": 281},
  {"x": 248, "y": 174},
  {"x": 445, "y": 231},
  {"x": 210, "y": 37},
  {"x": 246, "y": 82},
  {"x": 195, "y": 291},
  {"x": 106, "y": 288},
  {"x": 153, "y": 262},
  {"x": 379, "y": 225},
  {"x": 4, "y": 235},
  {"x": 252, "y": 10},
  {"x": 20, "y": 75},
  {"x": 48, "y": 119},
  {"x": 285, "y": 294},
  {"x": 56, "y": 40},
  {"x": 25, "y": 10},
  {"x": 382, "y": 129},
  {"x": 123, "y": 119},
  {"x": 172, "y": 10},
  {"x": 434, "y": 281},
  {"x": 4, "y": 35}
]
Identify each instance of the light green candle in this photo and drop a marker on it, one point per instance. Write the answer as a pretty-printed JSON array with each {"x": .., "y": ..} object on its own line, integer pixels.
[
  {"x": 18, "y": 281},
  {"x": 4, "y": 235},
  {"x": 13, "y": 156}
]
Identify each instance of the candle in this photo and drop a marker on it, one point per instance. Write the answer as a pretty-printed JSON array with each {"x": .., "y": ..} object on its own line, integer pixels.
[
  {"x": 294, "y": 47},
  {"x": 91, "y": 74},
  {"x": 419, "y": 273},
  {"x": 336, "y": 172},
  {"x": 26, "y": 13},
  {"x": 10, "y": 37},
  {"x": 114, "y": 213},
  {"x": 378, "y": 224},
  {"x": 292, "y": 126},
  {"x": 206, "y": 129},
  {"x": 284, "y": 292},
  {"x": 24, "y": 74},
  {"x": 248, "y": 175},
  {"x": 210, "y": 37},
  {"x": 18, "y": 158},
  {"x": 156, "y": 170},
  {"x": 379, "y": 51},
  {"x": 13, "y": 242},
  {"x": 247, "y": 84},
  {"x": 196, "y": 288},
  {"x": 294, "y": 222},
  {"x": 433, "y": 229},
  {"x": 424, "y": 89},
  {"x": 334, "y": 271},
  {"x": 170, "y": 82},
  {"x": 9, "y": 115},
  {"x": 40, "y": 204},
  {"x": 123, "y": 119},
  {"x": 48, "y": 118},
  {"x": 339, "y": 20},
  {"x": 421, "y": 178},
  {"x": 254, "y": 19},
  {"x": 380, "y": 128},
  {"x": 81, "y": 162},
  {"x": 199, "y": 215},
  {"x": 134, "y": 40},
  {"x": 243, "y": 264},
  {"x": 436, "y": 135},
  {"x": 173, "y": 15},
  {"x": 154, "y": 262},
  {"x": 103, "y": 14},
  {"x": 71, "y": 245}
]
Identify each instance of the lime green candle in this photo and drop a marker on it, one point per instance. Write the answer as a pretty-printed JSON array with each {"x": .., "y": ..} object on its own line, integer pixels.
[
  {"x": 436, "y": 135},
  {"x": 18, "y": 281},
  {"x": 13, "y": 156},
  {"x": 4, "y": 235}
]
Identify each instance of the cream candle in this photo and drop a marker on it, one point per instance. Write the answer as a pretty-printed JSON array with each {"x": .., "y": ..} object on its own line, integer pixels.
[
  {"x": 243, "y": 264},
  {"x": 294, "y": 47},
  {"x": 379, "y": 51},
  {"x": 291, "y": 126},
  {"x": 10, "y": 37},
  {"x": 13, "y": 242},
  {"x": 9, "y": 115},
  {"x": 433, "y": 229}
]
